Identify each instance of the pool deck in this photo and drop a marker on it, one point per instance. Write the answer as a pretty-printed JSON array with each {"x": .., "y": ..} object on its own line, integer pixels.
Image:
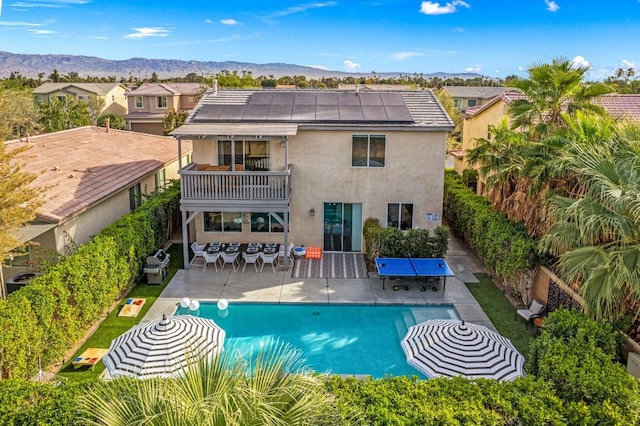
[{"x": 280, "y": 287}]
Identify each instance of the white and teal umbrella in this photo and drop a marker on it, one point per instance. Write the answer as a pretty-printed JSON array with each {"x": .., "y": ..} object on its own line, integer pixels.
[
  {"x": 450, "y": 348},
  {"x": 163, "y": 348}
]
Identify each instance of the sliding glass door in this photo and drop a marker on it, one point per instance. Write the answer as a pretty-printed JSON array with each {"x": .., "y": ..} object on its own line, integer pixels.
[{"x": 342, "y": 227}]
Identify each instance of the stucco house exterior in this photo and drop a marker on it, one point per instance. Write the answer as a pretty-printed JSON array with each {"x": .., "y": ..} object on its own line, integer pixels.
[
  {"x": 111, "y": 96},
  {"x": 148, "y": 104},
  {"x": 465, "y": 97},
  {"x": 311, "y": 166},
  {"x": 92, "y": 176}
]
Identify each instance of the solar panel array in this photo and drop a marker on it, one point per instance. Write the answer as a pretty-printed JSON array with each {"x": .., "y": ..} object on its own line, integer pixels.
[{"x": 305, "y": 107}]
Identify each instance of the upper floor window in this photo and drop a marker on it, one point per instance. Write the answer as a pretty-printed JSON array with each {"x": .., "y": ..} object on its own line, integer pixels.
[
  {"x": 252, "y": 155},
  {"x": 400, "y": 215},
  {"x": 368, "y": 150},
  {"x": 472, "y": 102},
  {"x": 162, "y": 101},
  {"x": 138, "y": 101}
]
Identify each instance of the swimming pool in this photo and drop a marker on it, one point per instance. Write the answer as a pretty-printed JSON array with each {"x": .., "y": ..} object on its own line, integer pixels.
[{"x": 339, "y": 339}]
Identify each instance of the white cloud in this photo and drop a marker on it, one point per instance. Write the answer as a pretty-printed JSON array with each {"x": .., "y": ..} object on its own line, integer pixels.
[
  {"x": 208, "y": 21},
  {"x": 401, "y": 56},
  {"x": 552, "y": 6},
  {"x": 458, "y": 29},
  {"x": 350, "y": 65},
  {"x": 580, "y": 61},
  {"x": 98, "y": 38},
  {"x": 521, "y": 68},
  {"x": 629, "y": 64},
  {"x": 319, "y": 67},
  {"x": 18, "y": 24},
  {"x": 432, "y": 8},
  {"x": 229, "y": 21},
  {"x": 475, "y": 68},
  {"x": 148, "y": 32},
  {"x": 41, "y": 32},
  {"x": 301, "y": 8},
  {"x": 52, "y": 4}
]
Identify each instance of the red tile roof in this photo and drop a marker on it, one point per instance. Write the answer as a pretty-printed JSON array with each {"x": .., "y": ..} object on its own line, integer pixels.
[
  {"x": 620, "y": 106},
  {"x": 86, "y": 165}
]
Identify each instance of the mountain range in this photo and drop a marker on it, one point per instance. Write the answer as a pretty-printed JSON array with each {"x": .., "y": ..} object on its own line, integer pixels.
[{"x": 30, "y": 65}]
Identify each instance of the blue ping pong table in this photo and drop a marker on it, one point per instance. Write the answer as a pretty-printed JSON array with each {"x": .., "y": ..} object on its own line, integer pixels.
[{"x": 402, "y": 267}]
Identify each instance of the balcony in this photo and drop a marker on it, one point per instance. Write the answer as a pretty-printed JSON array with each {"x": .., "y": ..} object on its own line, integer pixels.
[{"x": 222, "y": 188}]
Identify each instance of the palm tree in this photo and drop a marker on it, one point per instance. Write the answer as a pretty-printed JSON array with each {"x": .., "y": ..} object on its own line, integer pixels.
[
  {"x": 273, "y": 389},
  {"x": 550, "y": 90},
  {"x": 597, "y": 236}
]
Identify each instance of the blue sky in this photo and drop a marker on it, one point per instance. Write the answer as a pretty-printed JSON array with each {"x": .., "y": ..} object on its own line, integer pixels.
[{"x": 491, "y": 37}]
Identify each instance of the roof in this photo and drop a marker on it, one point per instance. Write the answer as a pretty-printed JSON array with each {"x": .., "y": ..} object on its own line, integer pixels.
[
  {"x": 328, "y": 108},
  {"x": 620, "y": 106},
  {"x": 167, "y": 89},
  {"x": 81, "y": 167},
  {"x": 506, "y": 97},
  {"x": 480, "y": 92},
  {"x": 96, "y": 88}
]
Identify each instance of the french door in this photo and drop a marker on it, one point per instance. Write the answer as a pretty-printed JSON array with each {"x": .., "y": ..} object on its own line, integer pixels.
[{"x": 342, "y": 227}]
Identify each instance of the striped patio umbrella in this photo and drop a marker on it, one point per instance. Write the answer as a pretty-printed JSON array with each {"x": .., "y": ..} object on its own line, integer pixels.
[
  {"x": 164, "y": 347},
  {"x": 454, "y": 348}
]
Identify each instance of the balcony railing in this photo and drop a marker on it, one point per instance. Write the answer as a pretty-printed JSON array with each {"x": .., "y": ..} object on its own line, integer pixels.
[{"x": 225, "y": 185}]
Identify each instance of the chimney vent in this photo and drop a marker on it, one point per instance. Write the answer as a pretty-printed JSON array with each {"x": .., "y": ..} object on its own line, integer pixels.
[
  {"x": 215, "y": 86},
  {"x": 106, "y": 123},
  {"x": 72, "y": 176},
  {"x": 56, "y": 168}
]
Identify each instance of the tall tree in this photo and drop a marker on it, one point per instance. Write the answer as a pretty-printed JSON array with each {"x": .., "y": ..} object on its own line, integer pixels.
[
  {"x": 19, "y": 201},
  {"x": 18, "y": 114},
  {"x": 550, "y": 90}
]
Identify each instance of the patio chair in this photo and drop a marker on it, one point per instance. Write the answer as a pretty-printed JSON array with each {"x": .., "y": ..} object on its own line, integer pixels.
[
  {"x": 282, "y": 252},
  {"x": 211, "y": 258},
  {"x": 535, "y": 310},
  {"x": 269, "y": 258},
  {"x": 231, "y": 258},
  {"x": 197, "y": 251},
  {"x": 251, "y": 258}
]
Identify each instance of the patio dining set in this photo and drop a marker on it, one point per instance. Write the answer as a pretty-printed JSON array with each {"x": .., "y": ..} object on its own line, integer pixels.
[{"x": 257, "y": 254}]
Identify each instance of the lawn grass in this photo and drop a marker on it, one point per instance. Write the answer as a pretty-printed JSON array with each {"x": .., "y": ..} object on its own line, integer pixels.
[
  {"x": 113, "y": 325},
  {"x": 501, "y": 313}
]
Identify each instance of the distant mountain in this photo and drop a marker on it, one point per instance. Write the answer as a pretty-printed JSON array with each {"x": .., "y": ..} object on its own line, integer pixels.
[{"x": 32, "y": 65}]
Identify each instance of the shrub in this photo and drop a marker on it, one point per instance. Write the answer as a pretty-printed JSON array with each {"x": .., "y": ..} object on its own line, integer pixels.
[
  {"x": 115, "y": 121},
  {"x": 47, "y": 316}
]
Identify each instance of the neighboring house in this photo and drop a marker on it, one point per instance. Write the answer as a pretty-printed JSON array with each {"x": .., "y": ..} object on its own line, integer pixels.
[
  {"x": 92, "y": 176},
  {"x": 112, "y": 97},
  {"x": 626, "y": 107},
  {"x": 472, "y": 96},
  {"x": 149, "y": 103},
  {"x": 477, "y": 121},
  {"x": 317, "y": 163}
]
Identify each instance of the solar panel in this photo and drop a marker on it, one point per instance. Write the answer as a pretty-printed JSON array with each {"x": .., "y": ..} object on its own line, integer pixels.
[
  {"x": 208, "y": 112},
  {"x": 261, "y": 98},
  {"x": 370, "y": 99},
  {"x": 256, "y": 112},
  {"x": 280, "y": 112},
  {"x": 374, "y": 113},
  {"x": 232, "y": 112},
  {"x": 327, "y": 112},
  {"x": 348, "y": 99},
  {"x": 351, "y": 113},
  {"x": 305, "y": 99},
  {"x": 393, "y": 99},
  {"x": 327, "y": 99},
  {"x": 398, "y": 113},
  {"x": 304, "y": 113},
  {"x": 283, "y": 98}
]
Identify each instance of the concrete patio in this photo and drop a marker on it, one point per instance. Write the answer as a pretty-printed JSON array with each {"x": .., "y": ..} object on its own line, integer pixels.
[{"x": 280, "y": 287}]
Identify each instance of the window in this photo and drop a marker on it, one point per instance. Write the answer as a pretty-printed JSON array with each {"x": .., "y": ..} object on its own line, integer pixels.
[
  {"x": 264, "y": 222},
  {"x": 161, "y": 179},
  {"x": 135, "y": 197},
  {"x": 138, "y": 101},
  {"x": 456, "y": 102},
  {"x": 254, "y": 155},
  {"x": 62, "y": 99},
  {"x": 162, "y": 101},
  {"x": 368, "y": 150},
  {"x": 400, "y": 216},
  {"x": 222, "y": 221},
  {"x": 39, "y": 99},
  {"x": 472, "y": 102},
  {"x": 83, "y": 98}
]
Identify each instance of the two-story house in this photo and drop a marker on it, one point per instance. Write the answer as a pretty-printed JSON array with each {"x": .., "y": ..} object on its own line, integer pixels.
[
  {"x": 111, "y": 98},
  {"x": 91, "y": 176},
  {"x": 472, "y": 96},
  {"x": 149, "y": 103},
  {"x": 311, "y": 166}
]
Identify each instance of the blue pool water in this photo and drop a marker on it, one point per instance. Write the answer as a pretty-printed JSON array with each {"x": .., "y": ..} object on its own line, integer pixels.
[{"x": 339, "y": 339}]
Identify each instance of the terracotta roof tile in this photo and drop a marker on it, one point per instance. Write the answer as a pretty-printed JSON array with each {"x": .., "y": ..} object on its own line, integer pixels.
[
  {"x": 620, "y": 106},
  {"x": 84, "y": 166}
]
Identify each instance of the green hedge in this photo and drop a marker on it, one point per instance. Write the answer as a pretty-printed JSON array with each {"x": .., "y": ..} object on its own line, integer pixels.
[
  {"x": 504, "y": 245},
  {"x": 392, "y": 242},
  {"x": 49, "y": 315}
]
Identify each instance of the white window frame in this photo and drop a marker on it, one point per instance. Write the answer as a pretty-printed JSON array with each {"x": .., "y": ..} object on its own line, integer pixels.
[
  {"x": 161, "y": 100},
  {"x": 135, "y": 102}
]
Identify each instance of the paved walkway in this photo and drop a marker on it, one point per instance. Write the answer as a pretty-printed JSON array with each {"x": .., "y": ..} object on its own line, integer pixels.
[{"x": 280, "y": 287}]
